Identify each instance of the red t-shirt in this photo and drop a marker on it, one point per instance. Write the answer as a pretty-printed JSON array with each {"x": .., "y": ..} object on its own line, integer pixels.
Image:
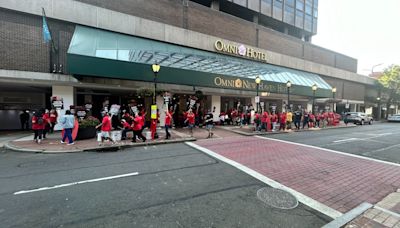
[
  {"x": 190, "y": 118},
  {"x": 168, "y": 119},
  {"x": 257, "y": 116},
  {"x": 106, "y": 124},
  {"x": 137, "y": 125},
  {"x": 274, "y": 117},
  {"x": 53, "y": 117},
  {"x": 126, "y": 125},
  {"x": 283, "y": 118},
  {"x": 36, "y": 125}
]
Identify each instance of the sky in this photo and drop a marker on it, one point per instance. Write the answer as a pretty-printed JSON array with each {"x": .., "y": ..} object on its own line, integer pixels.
[{"x": 368, "y": 30}]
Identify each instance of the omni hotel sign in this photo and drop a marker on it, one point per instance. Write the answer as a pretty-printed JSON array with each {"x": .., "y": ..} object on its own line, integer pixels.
[
  {"x": 247, "y": 84},
  {"x": 240, "y": 50}
]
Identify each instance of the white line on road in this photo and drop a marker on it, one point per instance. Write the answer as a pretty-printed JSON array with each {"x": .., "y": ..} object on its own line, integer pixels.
[
  {"x": 75, "y": 183},
  {"x": 301, "y": 197},
  {"x": 345, "y": 140}
]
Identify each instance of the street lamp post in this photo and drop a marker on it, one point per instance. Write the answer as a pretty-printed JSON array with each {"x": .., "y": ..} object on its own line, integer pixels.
[
  {"x": 258, "y": 81},
  {"x": 333, "y": 96},
  {"x": 156, "y": 68},
  {"x": 314, "y": 89},
  {"x": 288, "y": 85},
  {"x": 379, "y": 108}
]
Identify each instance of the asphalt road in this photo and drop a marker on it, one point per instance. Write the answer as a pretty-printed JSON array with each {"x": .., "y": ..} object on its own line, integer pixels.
[
  {"x": 379, "y": 141},
  {"x": 176, "y": 186}
]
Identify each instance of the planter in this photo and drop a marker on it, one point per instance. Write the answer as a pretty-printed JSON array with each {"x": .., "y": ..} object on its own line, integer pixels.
[{"x": 86, "y": 133}]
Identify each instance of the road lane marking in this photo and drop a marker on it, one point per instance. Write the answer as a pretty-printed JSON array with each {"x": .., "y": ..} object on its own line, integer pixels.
[
  {"x": 75, "y": 183},
  {"x": 382, "y": 149},
  {"x": 345, "y": 140},
  {"x": 329, "y": 150},
  {"x": 300, "y": 197}
]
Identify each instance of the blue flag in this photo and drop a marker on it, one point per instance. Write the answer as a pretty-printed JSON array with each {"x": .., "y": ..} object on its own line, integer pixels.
[{"x": 46, "y": 31}]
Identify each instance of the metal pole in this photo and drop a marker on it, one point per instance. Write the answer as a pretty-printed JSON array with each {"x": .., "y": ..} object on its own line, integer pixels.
[
  {"x": 333, "y": 103},
  {"x": 155, "y": 88},
  {"x": 313, "y": 101},
  {"x": 258, "y": 101},
  {"x": 288, "y": 99}
]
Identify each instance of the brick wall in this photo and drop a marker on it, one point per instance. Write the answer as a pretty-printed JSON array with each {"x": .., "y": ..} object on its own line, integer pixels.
[{"x": 22, "y": 46}]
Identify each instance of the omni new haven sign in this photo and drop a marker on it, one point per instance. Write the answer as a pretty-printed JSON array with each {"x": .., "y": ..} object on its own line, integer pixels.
[{"x": 240, "y": 50}]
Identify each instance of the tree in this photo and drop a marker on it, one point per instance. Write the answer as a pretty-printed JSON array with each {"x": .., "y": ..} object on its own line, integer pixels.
[{"x": 390, "y": 80}]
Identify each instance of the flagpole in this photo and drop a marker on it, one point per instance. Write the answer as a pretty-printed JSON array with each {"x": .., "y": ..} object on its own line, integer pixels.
[{"x": 52, "y": 46}]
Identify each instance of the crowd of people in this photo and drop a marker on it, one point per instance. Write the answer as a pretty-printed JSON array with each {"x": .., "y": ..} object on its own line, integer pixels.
[{"x": 43, "y": 122}]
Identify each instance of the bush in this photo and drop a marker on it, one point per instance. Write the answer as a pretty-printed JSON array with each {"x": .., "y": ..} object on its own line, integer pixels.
[{"x": 89, "y": 122}]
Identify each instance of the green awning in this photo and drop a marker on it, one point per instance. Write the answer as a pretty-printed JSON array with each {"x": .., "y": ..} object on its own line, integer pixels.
[{"x": 96, "y": 52}]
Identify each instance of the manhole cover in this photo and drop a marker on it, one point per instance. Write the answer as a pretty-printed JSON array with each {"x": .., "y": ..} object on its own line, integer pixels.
[{"x": 277, "y": 198}]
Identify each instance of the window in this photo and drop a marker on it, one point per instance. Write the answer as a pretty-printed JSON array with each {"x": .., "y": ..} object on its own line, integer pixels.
[
  {"x": 308, "y": 9},
  {"x": 299, "y": 19},
  {"x": 308, "y": 23},
  {"x": 290, "y": 2},
  {"x": 266, "y": 7},
  {"x": 240, "y": 2},
  {"x": 315, "y": 12},
  {"x": 288, "y": 15},
  {"x": 277, "y": 13},
  {"x": 300, "y": 5}
]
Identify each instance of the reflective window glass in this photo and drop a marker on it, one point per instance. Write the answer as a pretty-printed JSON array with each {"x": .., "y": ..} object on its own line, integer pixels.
[
  {"x": 315, "y": 12},
  {"x": 300, "y": 5},
  {"x": 299, "y": 18},
  {"x": 277, "y": 13},
  {"x": 308, "y": 23},
  {"x": 289, "y": 2},
  {"x": 288, "y": 16},
  {"x": 266, "y": 7},
  {"x": 308, "y": 9}
]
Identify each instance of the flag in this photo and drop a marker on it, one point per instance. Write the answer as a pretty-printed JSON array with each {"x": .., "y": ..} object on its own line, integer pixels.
[{"x": 46, "y": 31}]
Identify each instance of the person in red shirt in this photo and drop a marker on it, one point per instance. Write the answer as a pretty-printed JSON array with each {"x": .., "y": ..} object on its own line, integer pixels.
[
  {"x": 168, "y": 117},
  {"x": 311, "y": 120},
  {"x": 257, "y": 121},
  {"x": 137, "y": 128},
  {"x": 47, "y": 123},
  {"x": 274, "y": 120},
  {"x": 38, "y": 125},
  {"x": 190, "y": 121},
  {"x": 105, "y": 128},
  {"x": 126, "y": 127},
  {"x": 282, "y": 121},
  {"x": 53, "y": 119}
]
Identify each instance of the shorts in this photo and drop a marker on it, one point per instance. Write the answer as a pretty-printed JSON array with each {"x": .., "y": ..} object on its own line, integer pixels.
[
  {"x": 105, "y": 134},
  {"x": 209, "y": 126},
  {"x": 190, "y": 126}
]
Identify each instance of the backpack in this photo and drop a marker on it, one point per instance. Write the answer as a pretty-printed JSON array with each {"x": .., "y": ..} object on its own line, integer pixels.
[{"x": 40, "y": 120}]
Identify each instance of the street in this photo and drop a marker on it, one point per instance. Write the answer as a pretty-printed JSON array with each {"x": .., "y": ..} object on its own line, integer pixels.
[{"x": 165, "y": 186}]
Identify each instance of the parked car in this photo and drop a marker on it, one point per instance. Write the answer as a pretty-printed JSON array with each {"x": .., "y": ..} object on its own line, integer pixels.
[
  {"x": 358, "y": 118},
  {"x": 394, "y": 118}
]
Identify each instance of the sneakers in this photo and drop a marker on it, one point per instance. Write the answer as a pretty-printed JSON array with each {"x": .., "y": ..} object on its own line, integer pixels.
[
  {"x": 62, "y": 142},
  {"x": 69, "y": 144},
  {"x": 39, "y": 141}
]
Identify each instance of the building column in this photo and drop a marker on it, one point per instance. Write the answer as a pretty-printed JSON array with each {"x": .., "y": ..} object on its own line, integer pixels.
[
  {"x": 215, "y": 5},
  {"x": 216, "y": 107},
  {"x": 67, "y": 93}
]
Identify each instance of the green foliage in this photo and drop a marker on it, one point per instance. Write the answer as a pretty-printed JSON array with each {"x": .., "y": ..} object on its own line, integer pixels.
[
  {"x": 89, "y": 122},
  {"x": 391, "y": 79}
]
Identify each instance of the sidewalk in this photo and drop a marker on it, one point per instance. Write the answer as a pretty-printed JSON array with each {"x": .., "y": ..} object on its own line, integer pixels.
[
  {"x": 52, "y": 143},
  {"x": 248, "y": 130}
]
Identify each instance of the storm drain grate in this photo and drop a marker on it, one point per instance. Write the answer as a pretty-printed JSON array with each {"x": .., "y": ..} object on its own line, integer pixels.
[{"x": 277, "y": 198}]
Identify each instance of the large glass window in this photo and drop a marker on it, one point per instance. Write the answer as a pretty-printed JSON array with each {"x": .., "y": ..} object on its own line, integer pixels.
[
  {"x": 300, "y": 5},
  {"x": 266, "y": 7},
  {"x": 299, "y": 18},
  {"x": 278, "y": 9},
  {"x": 308, "y": 23},
  {"x": 315, "y": 12},
  {"x": 315, "y": 26},
  {"x": 289, "y": 2},
  {"x": 308, "y": 9},
  {"x": 288, "y": 15}
]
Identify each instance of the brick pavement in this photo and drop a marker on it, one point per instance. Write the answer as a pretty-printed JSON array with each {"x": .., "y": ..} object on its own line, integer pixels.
[{"x": 339, "y": 181}]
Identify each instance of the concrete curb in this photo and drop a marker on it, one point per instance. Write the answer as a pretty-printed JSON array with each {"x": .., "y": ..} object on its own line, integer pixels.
[
  {"x": 9, "y": 146},
  {"x": 350, "y": 215}
]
